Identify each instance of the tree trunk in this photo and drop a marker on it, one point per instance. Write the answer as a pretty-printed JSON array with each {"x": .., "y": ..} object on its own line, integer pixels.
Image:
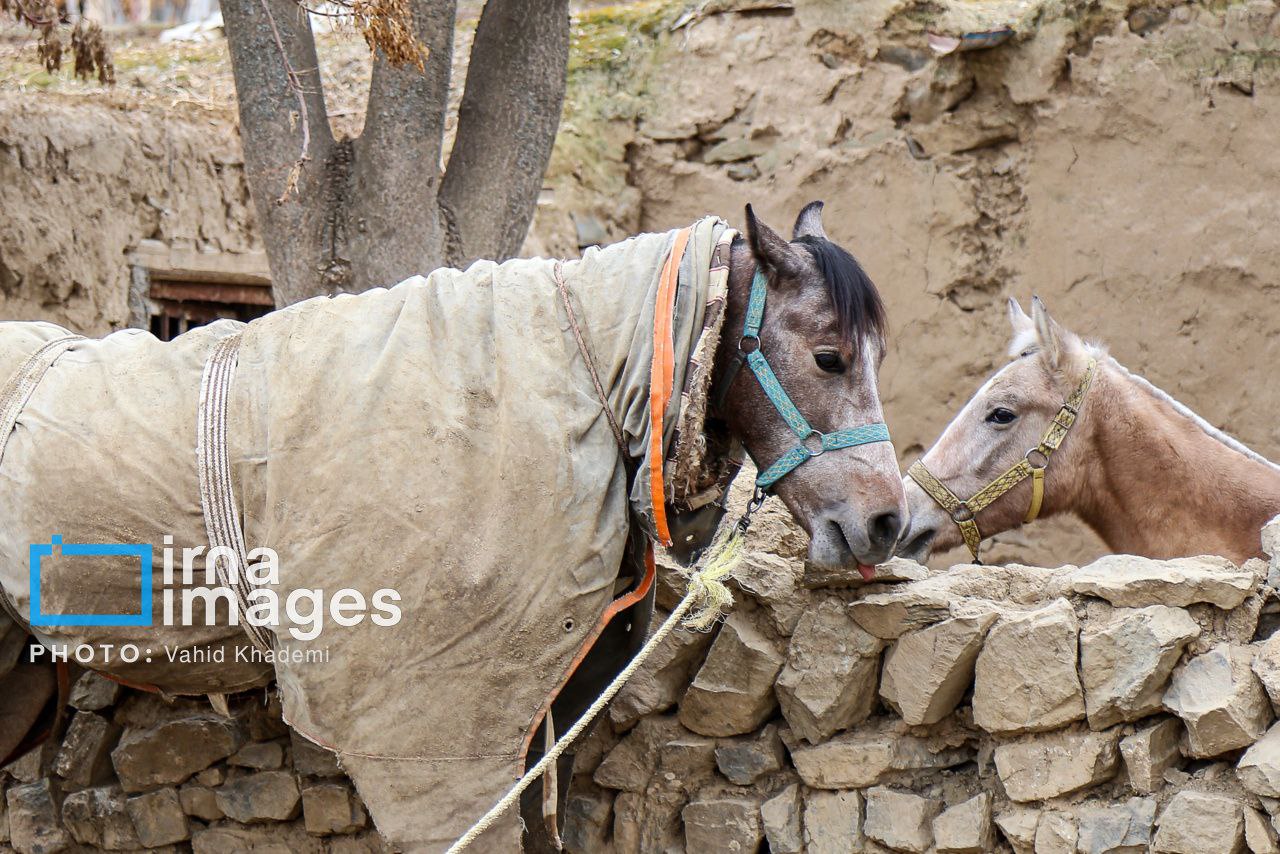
[
  {"x": 356, "y": 214},
  {"x": 271, "y": 131},
  {"x": 506, "y": 126}
]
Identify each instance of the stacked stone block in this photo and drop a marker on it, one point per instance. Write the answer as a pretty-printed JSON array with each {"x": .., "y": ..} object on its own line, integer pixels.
[{"x": 1124, "y": 706}]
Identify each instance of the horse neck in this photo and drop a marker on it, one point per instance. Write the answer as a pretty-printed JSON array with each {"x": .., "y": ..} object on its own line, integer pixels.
[{"x": 1153, "y": 482}]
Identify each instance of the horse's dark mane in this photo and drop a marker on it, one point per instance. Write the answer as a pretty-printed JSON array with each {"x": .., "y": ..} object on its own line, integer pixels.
[
  {"x": 859, "y": 311},
  {"x": 857, "y": 302}
]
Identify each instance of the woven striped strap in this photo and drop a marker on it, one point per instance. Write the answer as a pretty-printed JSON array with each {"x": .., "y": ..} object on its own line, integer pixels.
[
  {"x": 13, "y": 398},
  {"x": 217, "y": 499},
  {"x": 964, "y": 513}
]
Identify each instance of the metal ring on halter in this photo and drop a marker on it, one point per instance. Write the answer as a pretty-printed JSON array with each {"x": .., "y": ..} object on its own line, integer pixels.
[
  {"x": 746, "y": 338},
  {"x": 804, "y": 442},
  {"x": 962, "y": 513},
  {"x": 1044, "y": 458}
]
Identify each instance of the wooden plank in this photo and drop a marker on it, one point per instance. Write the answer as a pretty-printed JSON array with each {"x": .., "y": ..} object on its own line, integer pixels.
[
  {"x": 190, "y": 291},
  {"x": 187, "y": 264}
]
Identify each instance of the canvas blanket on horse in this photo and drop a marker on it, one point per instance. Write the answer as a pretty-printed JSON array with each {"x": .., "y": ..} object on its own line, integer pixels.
[{"x": 441, "y": 439}]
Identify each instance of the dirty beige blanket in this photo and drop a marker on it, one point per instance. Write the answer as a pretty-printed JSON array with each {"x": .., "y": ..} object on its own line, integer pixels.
[
  {"x": 440, "y": 439},
  {"x": 444, "y": 439}
]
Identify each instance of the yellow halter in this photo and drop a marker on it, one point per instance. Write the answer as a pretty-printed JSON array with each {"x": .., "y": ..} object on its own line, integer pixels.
[{"x": 964, "y": 513}]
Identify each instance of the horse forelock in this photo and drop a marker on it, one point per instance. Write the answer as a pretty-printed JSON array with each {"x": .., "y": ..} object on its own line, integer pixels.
[{"x": 859, "y": 310}]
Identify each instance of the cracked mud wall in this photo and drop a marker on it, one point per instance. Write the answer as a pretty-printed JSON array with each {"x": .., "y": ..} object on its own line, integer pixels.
[
  {"x": 81, "y": 183},
  {"x": 1121, "y": 162},
  {"x": 1118, "y": 160}
]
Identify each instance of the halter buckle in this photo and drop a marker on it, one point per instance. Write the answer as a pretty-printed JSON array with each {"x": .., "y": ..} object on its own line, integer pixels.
[
  {"x": 805, "y": 443},
  {"x": 962, "y": 513},
  {"x": 1044, "y": 459}
]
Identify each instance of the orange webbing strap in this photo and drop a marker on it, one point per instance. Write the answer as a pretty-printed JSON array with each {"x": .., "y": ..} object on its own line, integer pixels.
[
  {"x": 661, "y": 380},
  {"x": 622, "y": 603},
  {"x": 662, "y": 377}
]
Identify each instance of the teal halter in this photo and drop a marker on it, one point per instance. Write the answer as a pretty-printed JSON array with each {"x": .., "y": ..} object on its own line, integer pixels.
[{"x": 813, "y": 443}]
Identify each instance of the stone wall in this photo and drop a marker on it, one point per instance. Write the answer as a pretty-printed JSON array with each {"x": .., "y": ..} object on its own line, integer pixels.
[
  {"x": 1127, "y": 705},
  {"x": 137, "y": 771}
]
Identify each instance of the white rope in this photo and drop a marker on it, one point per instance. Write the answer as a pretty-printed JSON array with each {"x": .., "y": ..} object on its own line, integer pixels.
[{"x": 488, "y": 819}]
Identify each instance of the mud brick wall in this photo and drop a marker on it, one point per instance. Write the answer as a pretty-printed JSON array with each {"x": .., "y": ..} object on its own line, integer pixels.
[{"x": 1124, "y": 706}]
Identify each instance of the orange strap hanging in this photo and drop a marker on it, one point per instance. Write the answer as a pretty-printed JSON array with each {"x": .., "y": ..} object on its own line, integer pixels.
[
  {"x": 662, "y": 377},
  {"x": 660, "y": 387}
]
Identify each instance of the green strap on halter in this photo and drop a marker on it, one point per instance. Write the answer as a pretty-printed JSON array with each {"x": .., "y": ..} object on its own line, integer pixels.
[{"x": 813, "y": 443}]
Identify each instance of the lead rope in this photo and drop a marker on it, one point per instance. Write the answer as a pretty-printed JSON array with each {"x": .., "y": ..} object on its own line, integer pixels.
[{"x": 705, "y": 592}]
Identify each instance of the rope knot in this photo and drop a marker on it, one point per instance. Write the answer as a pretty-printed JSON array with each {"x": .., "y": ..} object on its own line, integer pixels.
[{"x": 704, "y": 583}]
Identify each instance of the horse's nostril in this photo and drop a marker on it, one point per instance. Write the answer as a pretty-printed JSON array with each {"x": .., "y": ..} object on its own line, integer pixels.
[{"x": 883, "y": 530}]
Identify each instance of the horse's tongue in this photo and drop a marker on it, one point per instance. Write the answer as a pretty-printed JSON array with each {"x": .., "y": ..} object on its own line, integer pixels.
[{"x": 867, "y": 572}]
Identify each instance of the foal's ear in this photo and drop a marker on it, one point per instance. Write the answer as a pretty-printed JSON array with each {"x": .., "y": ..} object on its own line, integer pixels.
[
  {"x": 1023, "y": 336},
  {"x": 1048, "y": 332},
  {"x": 1018, "y": 319},
  {"x": 770, "y": 249},
  {"x": 809, "y": 223}
]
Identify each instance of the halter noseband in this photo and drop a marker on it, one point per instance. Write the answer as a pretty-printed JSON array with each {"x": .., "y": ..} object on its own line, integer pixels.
[
  {"x": 813, "y": 443},
  {"x": 965, "y": 513}
]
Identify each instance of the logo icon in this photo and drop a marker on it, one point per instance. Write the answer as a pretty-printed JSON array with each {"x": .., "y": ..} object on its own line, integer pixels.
[{"x": 39, "y": 551}]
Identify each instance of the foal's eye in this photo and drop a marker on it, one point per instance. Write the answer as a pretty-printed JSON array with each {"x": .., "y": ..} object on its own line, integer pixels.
[
  {"x": 1000, "y": 415},
  {"x": 829, "y": 362}
]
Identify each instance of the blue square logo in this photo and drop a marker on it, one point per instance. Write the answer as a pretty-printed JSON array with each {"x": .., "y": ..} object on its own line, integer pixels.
[{"x": 41, "y": 550}]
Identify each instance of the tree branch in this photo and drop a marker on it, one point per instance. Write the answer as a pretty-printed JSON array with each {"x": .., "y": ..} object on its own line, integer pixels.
[
  {"x": 506, "y": 127},
  {"x": 397, "y": 163}
]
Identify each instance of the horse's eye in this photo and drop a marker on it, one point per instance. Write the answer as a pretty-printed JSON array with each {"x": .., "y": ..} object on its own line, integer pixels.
[
  {"x": 829, "y": 362},
  {"x": 1000, "y": 415}
]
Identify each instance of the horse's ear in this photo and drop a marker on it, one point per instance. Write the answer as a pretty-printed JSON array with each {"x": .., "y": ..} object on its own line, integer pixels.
[
  {"x": 1017, "y": 317},
  {"x": 809, "y": 223},
  {"x": 1023, "y": 336},
  {"x": 1048, "y": 332},
  {"x": 770, "y": 249}
]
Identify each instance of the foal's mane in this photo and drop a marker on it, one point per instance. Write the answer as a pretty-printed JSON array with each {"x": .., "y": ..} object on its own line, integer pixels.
[
  {"x": 1185, "y": 411},
  {"x": 1024, "y": 345},
  {"x": 857, "y": 302}
]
